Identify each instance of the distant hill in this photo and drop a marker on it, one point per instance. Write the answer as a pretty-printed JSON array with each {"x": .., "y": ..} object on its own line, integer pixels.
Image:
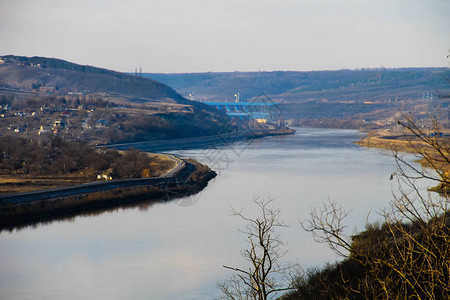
[
  {"x": 325, "y": 98},
  {"x": 281, "y": 86},
  {"x": 34, "y": 72}
]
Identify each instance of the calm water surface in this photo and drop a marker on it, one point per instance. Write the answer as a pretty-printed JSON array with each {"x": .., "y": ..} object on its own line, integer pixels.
[{"x": 176, "y": 250}]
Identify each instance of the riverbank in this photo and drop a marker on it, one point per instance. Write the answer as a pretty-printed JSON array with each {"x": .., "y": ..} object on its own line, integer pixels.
[
  {"x": 185, "y": 177},
  {"x": 29, "y": 165},
  {"x": 393, "y": 142},
  {"x": 397, "y": 142},
  {"x": 26, "y": 183},
  {"x": 190, "y": 180},
  {"x": 203, "y": 141}
]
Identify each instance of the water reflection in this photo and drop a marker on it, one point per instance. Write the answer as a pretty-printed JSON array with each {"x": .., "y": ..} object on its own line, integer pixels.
[
  {"x": 142, "y": 204},
  {"x": 175, "y": 190},
  {"x": 177, "y": 252}
]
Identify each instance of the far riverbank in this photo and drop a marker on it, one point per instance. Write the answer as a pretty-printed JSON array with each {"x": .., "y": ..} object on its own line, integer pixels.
[
  {"x": 201, "y": 142},
  {"x": 431, "y": 149}
]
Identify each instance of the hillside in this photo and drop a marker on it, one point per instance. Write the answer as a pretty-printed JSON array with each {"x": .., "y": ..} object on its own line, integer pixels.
[
  {"x": 342, "y": 85},
  {"x": 34, "y": 72},
  {"x": 372, "y": 95},
  {"x": 47, "y": 96}
]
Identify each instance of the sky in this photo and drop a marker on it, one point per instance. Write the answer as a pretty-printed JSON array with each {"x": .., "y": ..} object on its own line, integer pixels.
[{"x": 173, "y": 36}]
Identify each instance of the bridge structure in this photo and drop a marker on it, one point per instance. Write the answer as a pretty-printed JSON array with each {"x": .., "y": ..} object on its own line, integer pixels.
[{"x": 248, "y": 110}]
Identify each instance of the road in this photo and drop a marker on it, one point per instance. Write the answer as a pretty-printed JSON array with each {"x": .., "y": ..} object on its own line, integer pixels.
[{"x": 180, "y": 171}]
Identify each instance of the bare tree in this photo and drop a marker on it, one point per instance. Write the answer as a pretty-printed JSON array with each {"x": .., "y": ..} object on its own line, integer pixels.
[
  {"x": 431, "y": 147},
  {"x": 408, "y": 256},
  {"x": 265, "y": 276}
]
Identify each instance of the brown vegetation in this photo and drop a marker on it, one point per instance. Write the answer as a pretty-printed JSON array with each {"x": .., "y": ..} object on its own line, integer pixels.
[
  {"x": 404, "y": 256},
  {"x": 408, "y": 255},
  {"x": 429, "y": 143},
  {"x": 43, "y": 163}
]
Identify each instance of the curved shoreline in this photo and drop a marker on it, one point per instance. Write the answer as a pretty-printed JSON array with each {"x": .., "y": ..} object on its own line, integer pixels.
[
  {"x": 402, "y": 143},
  {"x": 391, "y": 144},
  {"x": 187, "y": 177},
  {"x": 190, "y": 180},
  {"x": 198, "y": 142},
  {"x": 90, "y": 187}
]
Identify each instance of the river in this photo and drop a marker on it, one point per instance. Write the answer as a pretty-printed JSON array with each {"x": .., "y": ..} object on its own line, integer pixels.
[{"x": 176, "y": 250}]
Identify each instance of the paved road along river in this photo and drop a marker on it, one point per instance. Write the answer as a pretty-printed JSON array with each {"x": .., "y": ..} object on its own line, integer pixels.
[{"x": 97, "y": 186}]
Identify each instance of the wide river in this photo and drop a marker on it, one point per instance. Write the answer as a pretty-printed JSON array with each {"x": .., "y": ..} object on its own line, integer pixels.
[{"x": 176, "y": 250}]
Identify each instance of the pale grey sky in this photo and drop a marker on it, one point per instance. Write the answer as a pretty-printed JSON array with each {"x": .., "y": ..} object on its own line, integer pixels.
[{"x": 232, "y": 35}]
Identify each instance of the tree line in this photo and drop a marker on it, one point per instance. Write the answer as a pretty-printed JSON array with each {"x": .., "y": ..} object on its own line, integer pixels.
[{"x": 48, "y": 157}]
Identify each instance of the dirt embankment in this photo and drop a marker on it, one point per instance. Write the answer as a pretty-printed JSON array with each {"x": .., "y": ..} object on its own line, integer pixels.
[{"x": 394, "y": 143}]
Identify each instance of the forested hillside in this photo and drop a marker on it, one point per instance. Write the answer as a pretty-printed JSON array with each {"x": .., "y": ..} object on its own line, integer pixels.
[{"x": 359, "y": 85}]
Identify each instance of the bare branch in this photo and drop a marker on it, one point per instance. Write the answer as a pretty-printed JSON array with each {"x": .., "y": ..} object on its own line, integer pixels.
[
  {"x": 263, "y": 254},
  {"x": 408, "y": 256}
]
